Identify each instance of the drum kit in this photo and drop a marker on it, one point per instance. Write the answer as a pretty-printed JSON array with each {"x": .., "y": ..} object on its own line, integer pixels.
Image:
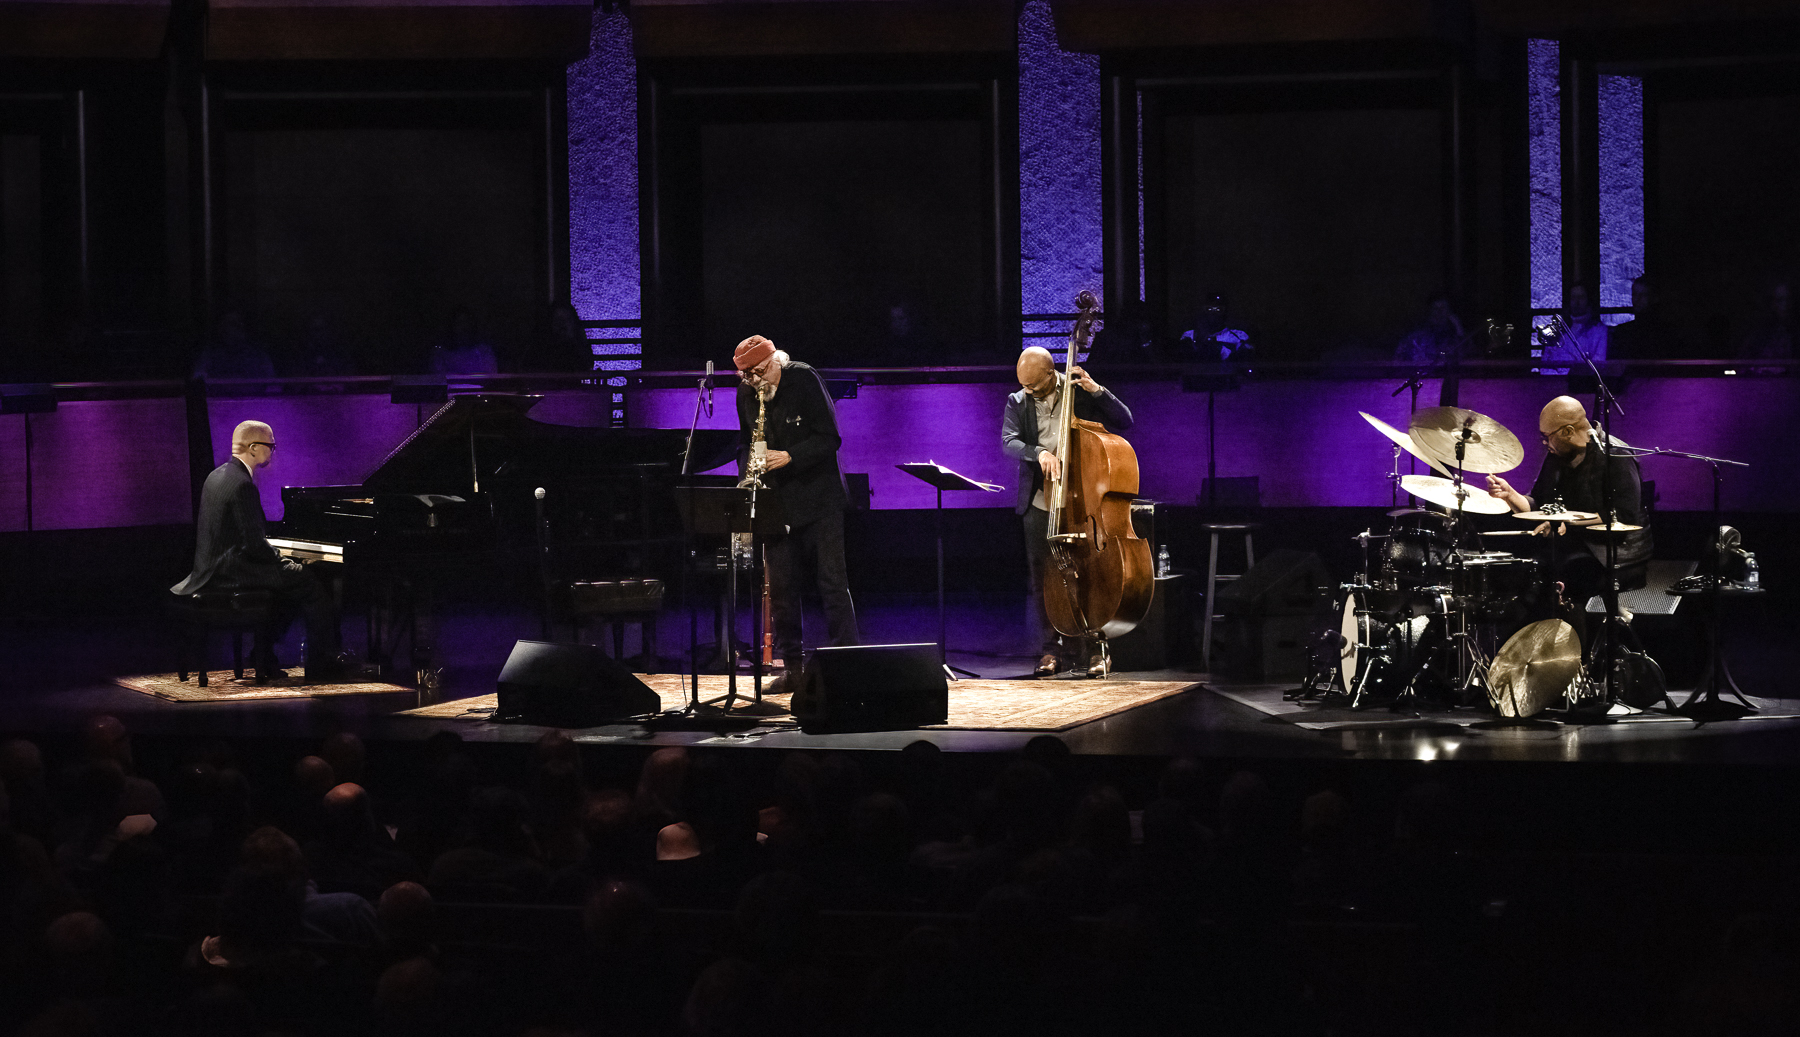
[{"x": 1421, "y": 621}]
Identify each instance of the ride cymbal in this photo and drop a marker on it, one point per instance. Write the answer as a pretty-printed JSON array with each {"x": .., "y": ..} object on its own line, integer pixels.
[
  {"x": 1556, "y": 516},
  {"x": 1442, "y": 492},
  {"x": 1489, "y": 447},
  {"x": 1534, "y": 668},
  {"x": 1401, "y": 440}
]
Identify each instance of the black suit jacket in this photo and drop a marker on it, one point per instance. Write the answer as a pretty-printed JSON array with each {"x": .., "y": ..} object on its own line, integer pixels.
[
  {"x": 1019, "y": 432},
  {"x": 801, "y": 421},
  {"x": 231, "y": 542}
]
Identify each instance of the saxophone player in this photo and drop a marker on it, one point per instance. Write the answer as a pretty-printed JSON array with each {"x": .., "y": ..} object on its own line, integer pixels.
[{"x": 797, "y": 463}]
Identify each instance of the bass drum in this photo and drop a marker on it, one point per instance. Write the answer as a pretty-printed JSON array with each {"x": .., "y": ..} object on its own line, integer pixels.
[{"x": 1386, "y": 636}]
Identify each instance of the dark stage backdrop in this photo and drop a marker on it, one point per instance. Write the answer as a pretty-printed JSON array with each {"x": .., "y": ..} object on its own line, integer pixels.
[
  {"x": 849, "y": 243},
  {"x": 385, "y": 232},
  {"x": 1324, "y": 229},
  {"x": 1724, "y": 221}
]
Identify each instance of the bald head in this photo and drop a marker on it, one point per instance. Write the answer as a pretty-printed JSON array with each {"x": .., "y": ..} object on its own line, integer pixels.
[
  {"x": 253, "y": 441},
  {"x": 1563, "y": 421},
  {"x": 1037, "y": 371}
]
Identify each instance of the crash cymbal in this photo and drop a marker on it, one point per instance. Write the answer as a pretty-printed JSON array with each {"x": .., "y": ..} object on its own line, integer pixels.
[
  {"x": 1556, "y": 516},
  {"x": 1442, "y": 492},
  {"x": 1534, "y": 668},
  {"x": 1401, "y": 439},
  {"x": 1489, "y": 448}
]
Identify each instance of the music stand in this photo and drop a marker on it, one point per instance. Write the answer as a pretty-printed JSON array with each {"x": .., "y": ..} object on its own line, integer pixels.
[
  {"x": 715, "y": 513},
  {"x": 940, "y": 479}
]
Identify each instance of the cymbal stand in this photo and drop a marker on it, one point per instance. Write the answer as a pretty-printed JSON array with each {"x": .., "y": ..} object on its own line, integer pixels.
[{"x": 1471, "y": 662}]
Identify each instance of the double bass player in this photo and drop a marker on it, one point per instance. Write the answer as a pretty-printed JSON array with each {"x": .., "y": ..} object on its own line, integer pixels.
[{"x": 1028, "y": 434}]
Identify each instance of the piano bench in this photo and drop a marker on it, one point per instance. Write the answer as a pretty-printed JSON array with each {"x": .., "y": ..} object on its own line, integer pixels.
[
  {"x": 618, "y": 602},
  {"x": 238, "y": 610}
]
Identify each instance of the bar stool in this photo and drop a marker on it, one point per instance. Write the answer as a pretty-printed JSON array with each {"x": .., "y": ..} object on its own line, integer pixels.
[
  {"x": 1214, "y": 577},
  {"x": 616, "y": 603}
]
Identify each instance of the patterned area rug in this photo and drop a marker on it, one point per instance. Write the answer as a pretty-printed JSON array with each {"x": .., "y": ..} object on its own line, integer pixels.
[
  {"x": 222, "y": 687},
  {"x": 975, "y": 705}
]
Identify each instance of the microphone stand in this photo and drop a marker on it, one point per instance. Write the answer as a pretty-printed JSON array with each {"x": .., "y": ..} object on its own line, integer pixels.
[
  {"x": 1705, "y": 704},
  {"x": 1415, "y": 383},
  {"x": 702, "y": 398},
  {"x": 1605, "y": 648}
]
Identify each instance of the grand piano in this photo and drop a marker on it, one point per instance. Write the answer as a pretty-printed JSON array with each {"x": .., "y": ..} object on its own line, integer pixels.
[{"x": 459, "y": 496}]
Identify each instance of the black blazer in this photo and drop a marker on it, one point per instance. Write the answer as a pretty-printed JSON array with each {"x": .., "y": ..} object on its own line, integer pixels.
[
  {"x": 1019, "y": 433},
  {"x": 231, "y": 541},
  {"x": 801, "y": 421}
]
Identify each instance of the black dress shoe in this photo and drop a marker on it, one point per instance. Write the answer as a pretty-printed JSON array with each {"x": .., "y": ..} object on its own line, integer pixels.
[{"x": 269, "y": 670}]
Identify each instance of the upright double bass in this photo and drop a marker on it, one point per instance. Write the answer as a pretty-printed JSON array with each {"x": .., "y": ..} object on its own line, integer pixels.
[{"x": 1098, "y": 578}]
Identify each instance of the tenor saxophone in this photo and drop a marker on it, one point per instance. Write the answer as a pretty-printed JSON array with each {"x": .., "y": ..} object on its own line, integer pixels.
[{"x": 743, "y": 550}]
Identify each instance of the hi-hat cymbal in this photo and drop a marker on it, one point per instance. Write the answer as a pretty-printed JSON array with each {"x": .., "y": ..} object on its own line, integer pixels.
[
  {"x": 1489, "y": 446},
  {"x": 1534, "y": 668},
  {"x": 1557, "y": 516},
  {"x": 1401, "y": 439},
  {"x": 1442, "y": 492}
]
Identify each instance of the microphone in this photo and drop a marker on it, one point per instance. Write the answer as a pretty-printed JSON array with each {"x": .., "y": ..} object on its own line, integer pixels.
[{"x": 707, "y": 384}]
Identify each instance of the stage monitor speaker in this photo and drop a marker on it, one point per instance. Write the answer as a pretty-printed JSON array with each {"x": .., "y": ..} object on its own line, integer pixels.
[
  {"x": 872, "y": 688},
  {"x": 569, "y": 685}
]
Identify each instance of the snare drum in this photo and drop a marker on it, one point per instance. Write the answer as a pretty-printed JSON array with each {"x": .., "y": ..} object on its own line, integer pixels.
[{"x": 1489, "y": 582}]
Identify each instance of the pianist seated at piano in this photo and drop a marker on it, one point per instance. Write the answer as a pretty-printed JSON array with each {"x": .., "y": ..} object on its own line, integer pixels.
[{"x": 232, "y": 551}]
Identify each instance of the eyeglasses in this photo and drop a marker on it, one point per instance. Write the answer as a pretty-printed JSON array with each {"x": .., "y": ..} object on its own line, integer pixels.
[
  {"x": 271, "y": 446},
  {"x": 1577, "y": 425},
  {"x": 760, "y": 371}
]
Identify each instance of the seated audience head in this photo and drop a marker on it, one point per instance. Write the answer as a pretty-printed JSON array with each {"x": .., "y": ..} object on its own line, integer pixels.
[
  {"x": 1246, "y": 810},
  {"x": 21, "y": 764},
  {"x": 1325, "y": 820},
  {"x": 618, "y": 916},
  {"x": 314, "y": 776},
  {"x": 271, "y": 851},
  {"x": 660, "y": 783},
  {"x": 104, "y": 737},
  {"x": 1101, "y": 824},
  {"x": 499, "y": 822},
  {"x": 776, "y": 916},
  {"x": 348, "y": 820},
  {"x": 409, "y": 997},
  {"x": 347, "y": 756},
  {"x": 407, "y": 913},
  {"x": 80, "y": 948},
  {"x": 726, "y": 1000}
]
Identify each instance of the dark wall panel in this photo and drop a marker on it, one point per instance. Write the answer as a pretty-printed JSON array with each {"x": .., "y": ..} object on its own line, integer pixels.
[
  {"x": 1324, "y": 229},
  {"x": 385, "y": 232},
  {"x": 1724, "y": 218},
  {"x": 814, "y": 232}
]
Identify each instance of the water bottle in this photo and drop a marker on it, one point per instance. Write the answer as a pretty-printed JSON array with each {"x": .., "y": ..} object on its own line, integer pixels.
[
  {"x": 1162, "y": 560},
  {"x": 1752, "y": 574}
]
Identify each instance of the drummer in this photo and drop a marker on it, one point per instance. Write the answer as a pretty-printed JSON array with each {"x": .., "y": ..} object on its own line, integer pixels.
[{"x": 1571, "y": 475}]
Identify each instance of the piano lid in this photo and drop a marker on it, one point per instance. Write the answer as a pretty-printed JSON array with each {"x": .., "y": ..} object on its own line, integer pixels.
[{"x": 489, "y": 435}]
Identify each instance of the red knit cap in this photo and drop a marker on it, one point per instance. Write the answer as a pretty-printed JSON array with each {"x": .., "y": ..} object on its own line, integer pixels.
[{"x": 752, "y": 351}]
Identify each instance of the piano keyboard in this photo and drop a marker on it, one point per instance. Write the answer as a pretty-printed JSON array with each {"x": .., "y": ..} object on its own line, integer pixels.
[{"x": 308, "y": 550}]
